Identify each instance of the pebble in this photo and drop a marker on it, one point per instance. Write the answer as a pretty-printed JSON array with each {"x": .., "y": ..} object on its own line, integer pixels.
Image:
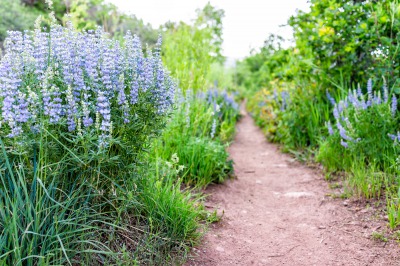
[{"x": 220, "y": 249}]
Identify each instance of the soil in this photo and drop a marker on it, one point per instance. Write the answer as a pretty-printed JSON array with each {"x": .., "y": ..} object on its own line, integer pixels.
[{"x": 281, "y": 212}]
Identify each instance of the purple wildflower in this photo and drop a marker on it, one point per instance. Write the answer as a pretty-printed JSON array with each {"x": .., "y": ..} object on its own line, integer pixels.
[
  {"x": 213, "y": 128},
  {"x": 394, "y": 105},
  {"x": 71, "y": 70},
  {"x": 342, "y": 132},
  {"x": 336, "y": 112},
  {"x": 392, "y": 137},
  {"x": 369, "y": 92},
  {"x": 330, "y": 129},
  {"x": 359, "y": 92},
  {"x": 385, "y": 93},
  {"x": 71, "y": 109},
  {"x": 330, "y": 98},
  {"x": 87, "y": 120},
  {"x": 344, "y": 143}
]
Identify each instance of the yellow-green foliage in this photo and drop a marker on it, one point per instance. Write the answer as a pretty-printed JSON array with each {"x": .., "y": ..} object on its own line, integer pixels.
[{"x": 187, "y": 55}]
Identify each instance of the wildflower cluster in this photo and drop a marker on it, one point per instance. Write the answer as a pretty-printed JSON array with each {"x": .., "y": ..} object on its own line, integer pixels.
[
  {"x": 220, "y": 100},
  {"x": 174, "y": 164},
  {"x": 347, "y": 112},
  {"x": 84, "y": 82},
  {"x": 224, "y": 108},
  {"x": 284, "y": 102}
]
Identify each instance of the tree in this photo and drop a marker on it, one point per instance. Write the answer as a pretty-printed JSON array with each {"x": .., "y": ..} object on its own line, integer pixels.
[
  {"x": 350, "y": 39},
  {"x": 211, "y": 18}
]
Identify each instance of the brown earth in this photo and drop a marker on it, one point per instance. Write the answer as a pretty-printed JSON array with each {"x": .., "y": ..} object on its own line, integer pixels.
[{"x": 280, "y": 212}]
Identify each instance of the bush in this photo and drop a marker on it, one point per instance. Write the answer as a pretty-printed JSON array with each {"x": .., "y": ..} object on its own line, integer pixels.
[
  {"x": 196, "y": 134},
  {"x": 364, "y": 131},
  {"x": 92, "y": 100},
  {"x": 75, "y": 121}
]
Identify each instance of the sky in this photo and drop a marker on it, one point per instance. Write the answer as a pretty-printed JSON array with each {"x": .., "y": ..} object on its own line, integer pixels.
[{"x": 247, "y": 23}]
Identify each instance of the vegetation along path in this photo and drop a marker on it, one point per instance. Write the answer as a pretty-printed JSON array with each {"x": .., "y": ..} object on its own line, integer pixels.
[{"x": 278, "y": 212}]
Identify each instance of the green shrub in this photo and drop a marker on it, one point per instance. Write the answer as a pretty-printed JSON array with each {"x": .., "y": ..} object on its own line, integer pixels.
[
  {"x": 364, "y": 126},
  {"x": 75, "y": 127},
  {"x": 196, "y": 133}
]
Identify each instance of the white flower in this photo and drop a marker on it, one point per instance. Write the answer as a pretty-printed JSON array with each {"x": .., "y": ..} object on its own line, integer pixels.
[{"x": 175, "y": 158}]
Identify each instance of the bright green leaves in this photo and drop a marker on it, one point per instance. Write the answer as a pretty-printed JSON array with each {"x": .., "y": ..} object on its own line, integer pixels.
[{"x": 350, "y": 35}]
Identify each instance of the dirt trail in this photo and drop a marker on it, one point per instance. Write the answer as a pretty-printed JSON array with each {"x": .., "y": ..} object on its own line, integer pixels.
[{"x": 277, "y": 212}]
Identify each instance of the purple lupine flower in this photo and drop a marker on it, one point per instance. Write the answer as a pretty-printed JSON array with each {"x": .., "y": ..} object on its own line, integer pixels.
[
  {"x": 134, "y": 94},
  {"x": 41, "y": 49},
  {"x": 103, "y": 107},
  {"x": 171, "y": 90},
  {"x": 231, "y": 102},
  {"x": 33, "y": 104},
  {"x": 341, "y": 106},
  {"x": 22, "y": 113},
  {"x": 56, "y": 108},
  {"x": 352, "y": 100},
  {"x": 14, "y": 44},
  {"x": 357, "y": 100},
  {"x": 213, "y": 128},
  {"x": 210, "y": 96},
  {"x": 163, "y": 91},
  {"x": 330, "y": 98},
  {"x": 369, "y": 92},
  {"x": 71, "y": 109},
  {"x": 394, "y": 105},
  {"x": 342, "y": 132},
  {"x": 336, "y": 112},
  {"x": 385, "y": 93},
  {"x": 87, "y": 120},
  {"x": 125, "y": 112},
  {"x": 393, "y": 137},
  {"x": 70, "y": 68},
  {"x": 359, "y": 92},
  {"x": 285, "y": 98},
  {"x": 330, "y": 129},
  {"x": 148, "y": 75},
  {"x": 121, "y": 90},
  {"x": 377, "y": 98},
  {"x": 7, "y": 108},
  {"x": 276, "y": 96},
  {"x": 47, "y": 79},
  {"x": 92, "y": 59},
  {"x": 159, "y": 90},
  {"x": 344, "y": 143}
]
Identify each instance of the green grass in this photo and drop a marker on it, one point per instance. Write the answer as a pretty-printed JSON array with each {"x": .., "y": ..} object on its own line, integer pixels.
[{"x": 190, "y": 136}]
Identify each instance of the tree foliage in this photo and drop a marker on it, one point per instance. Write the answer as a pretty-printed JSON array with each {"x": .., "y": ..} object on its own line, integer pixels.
[
  {"x": 189, "y": 50},
  {"x": 85, "y": 15},
  {"x": 353, "y": 39},
  {"x": 211, "y": 17}
]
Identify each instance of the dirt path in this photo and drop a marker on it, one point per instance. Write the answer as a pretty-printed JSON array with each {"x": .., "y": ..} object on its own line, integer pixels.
[{"x": 277, "y": 212}]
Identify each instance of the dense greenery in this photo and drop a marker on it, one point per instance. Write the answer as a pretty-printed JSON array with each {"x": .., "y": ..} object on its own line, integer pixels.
[
  {"x": 101, "y": 152},
  {"x": 204, "y": 121},
  {"x": 333, "y": 95},
  {"x": 85, "y": 15}
]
